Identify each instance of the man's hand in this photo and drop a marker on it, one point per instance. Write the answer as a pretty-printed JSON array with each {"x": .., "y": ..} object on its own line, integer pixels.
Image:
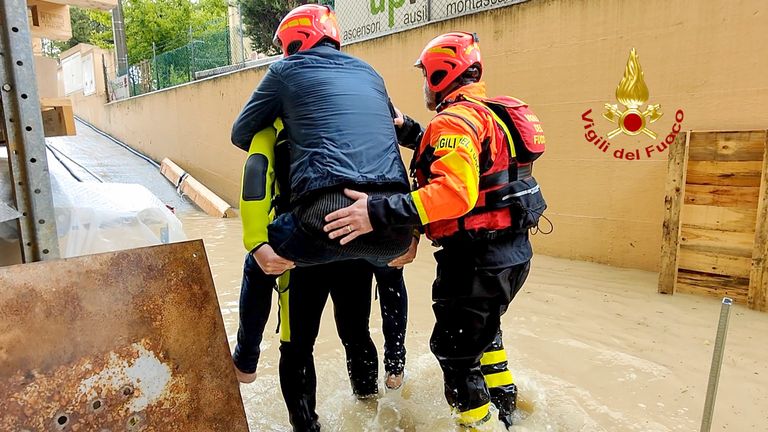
[
  {"x": 350, "y": 222},
  {"x": 408, "y": 256},
  {"x": 270, "y": 262},
  {"x": 399, "y": 119}
]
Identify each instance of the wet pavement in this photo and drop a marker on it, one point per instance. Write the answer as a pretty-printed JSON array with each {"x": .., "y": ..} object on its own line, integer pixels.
[{"x": 93, "y": 156}]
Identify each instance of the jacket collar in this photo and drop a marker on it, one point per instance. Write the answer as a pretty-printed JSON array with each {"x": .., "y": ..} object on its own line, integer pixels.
[{"x": 474, "y": 90}]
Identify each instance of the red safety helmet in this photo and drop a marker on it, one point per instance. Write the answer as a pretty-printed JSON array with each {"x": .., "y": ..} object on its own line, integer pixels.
[
  {"x": 307, "y": 25},
  {"x": 448, "y": 56}
]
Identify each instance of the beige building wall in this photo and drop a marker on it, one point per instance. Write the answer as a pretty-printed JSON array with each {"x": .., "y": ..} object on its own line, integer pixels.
[{"x": 561, "y": 56}]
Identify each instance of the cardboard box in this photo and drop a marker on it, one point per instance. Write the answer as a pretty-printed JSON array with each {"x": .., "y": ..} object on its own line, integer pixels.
[
  {"x": 58, "y": 118},
  {"x": 10, "y": 252},
  {"x": 47, "y": 72},
  {"x": 49, "y": 20}
]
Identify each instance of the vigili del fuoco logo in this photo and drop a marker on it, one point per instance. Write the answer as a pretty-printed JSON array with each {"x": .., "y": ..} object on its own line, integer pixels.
[{"x": 633, "y": 120}]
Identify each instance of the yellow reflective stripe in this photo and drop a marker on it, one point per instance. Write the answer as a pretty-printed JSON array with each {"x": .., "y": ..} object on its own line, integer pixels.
[
  {"x": 298, "y": 22},
  {"x": 501, "y": 123},
  {"x": 283, "y": 296},
  {"x": 474, "y": 416},
  {"x": 441, "y": 50},
  {"x": 420, "y": 207},
  {"x": 493, "y": 357},
  {"x": 468, "y": 175},
  {"x": 499, "y": 379}
]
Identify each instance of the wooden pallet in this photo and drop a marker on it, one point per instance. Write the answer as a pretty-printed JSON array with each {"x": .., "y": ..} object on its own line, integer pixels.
[{"x": 715, "y": 235}]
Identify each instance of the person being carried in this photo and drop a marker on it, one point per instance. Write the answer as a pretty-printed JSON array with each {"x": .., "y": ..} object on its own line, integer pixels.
[{"x": 338, "y": 120}]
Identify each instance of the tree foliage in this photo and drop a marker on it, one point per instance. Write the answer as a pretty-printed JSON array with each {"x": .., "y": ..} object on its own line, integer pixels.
[
  {"x": 88, "y": 26},
  {"x": 169, "y": 24},
  {"x": 261, "y": 18}
]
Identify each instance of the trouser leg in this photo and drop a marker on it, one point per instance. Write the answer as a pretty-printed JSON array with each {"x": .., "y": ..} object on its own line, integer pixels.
[
  {"x": 301, "y": 307},
  {"x": 499, "y": 380},
  {"x": 468, "y": 305},
  {"x": 351, "y": 295},
  {"x": 255, "y": 303},
  {"x": 394, "y": 315},
  {"x": 459, "y": 338}
]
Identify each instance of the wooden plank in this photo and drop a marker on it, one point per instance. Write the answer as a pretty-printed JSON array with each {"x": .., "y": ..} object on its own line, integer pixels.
[
  {"x": 727, "y": 146},
  {"x": 714, "y": 262},
  {"x": 725, "y": 242},
  {"x": 726, "y": 173},
  {"x": 673, "y": 202},
  {"x": 208, "y": 201},
  {"x": 732, "y": 219},
  {"x": 701, "y": 147},
  {"x": 722, "y": 196},
  {"x": 171, "y": 171},
  {"x": 758, "y": 283},
  {"x": 741, "y": 146},
  {"x": 713, "y": 285}
]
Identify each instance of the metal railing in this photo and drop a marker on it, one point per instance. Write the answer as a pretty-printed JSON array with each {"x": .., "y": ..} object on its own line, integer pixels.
[{"x": 228, "y": 49}]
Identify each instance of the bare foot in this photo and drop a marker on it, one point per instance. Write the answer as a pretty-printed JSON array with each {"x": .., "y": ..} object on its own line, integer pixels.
[
  {"x": 245, "y": 378},
  {"x": 394, "y": 381}
]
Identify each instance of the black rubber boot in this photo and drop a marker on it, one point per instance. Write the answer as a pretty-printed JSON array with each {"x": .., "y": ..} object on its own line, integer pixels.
[{"x": 505, "y": 400}]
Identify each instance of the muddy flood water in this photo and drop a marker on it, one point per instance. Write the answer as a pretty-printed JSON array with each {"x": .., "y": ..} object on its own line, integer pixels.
[{"x": 592, "y": 348}]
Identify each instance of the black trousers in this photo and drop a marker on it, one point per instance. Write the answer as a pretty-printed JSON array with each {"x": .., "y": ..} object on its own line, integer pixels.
[
  {"x": 393, "y": 299},
  {"x": 348, "y": 283},
  {"x": 255, "y": 303},
  {"x": 468, "y": 305}
]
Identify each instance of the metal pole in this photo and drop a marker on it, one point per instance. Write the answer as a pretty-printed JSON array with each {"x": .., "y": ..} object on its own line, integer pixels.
[
  {"x": 118, "y": 31},
  {"x": 26, "y": 142},
  {"x": 717, "y": 362},
  {"x": 240, "y": 31},
  {"x": 154, "y": 66},
  {"x": 192, "y": 59},
  {"x": 106, "y": 76}
]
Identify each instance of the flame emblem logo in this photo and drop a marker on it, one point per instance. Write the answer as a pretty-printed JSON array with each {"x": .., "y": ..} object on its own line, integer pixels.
[{"x": 632, "y": 93}]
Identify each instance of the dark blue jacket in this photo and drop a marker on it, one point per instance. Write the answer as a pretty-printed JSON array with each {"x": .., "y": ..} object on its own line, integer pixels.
[{"x": 337, "y": 116}]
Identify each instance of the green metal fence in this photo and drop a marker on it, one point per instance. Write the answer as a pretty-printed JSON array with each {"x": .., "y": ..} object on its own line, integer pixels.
[
  {"x": 205, "y": 51},
  {"x": 358, "y": 19},
  {"x": 178, "y": 66}
]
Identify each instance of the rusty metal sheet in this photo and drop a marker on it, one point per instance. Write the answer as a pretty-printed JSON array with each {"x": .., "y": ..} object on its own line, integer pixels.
[{"x": 123, "y": 341}]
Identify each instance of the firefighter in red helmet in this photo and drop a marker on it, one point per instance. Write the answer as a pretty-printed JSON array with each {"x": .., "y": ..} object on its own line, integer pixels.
[
  {"x": 338, "y": 131},
  {"x": 477, "y": 199}
]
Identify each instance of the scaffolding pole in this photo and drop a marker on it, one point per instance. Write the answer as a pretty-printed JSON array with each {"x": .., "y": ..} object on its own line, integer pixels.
[{"x": 26, "y": 142}]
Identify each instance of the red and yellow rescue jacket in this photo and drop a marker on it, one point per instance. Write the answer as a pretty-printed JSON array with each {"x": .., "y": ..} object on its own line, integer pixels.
[{"x": 473, "y": 169}]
